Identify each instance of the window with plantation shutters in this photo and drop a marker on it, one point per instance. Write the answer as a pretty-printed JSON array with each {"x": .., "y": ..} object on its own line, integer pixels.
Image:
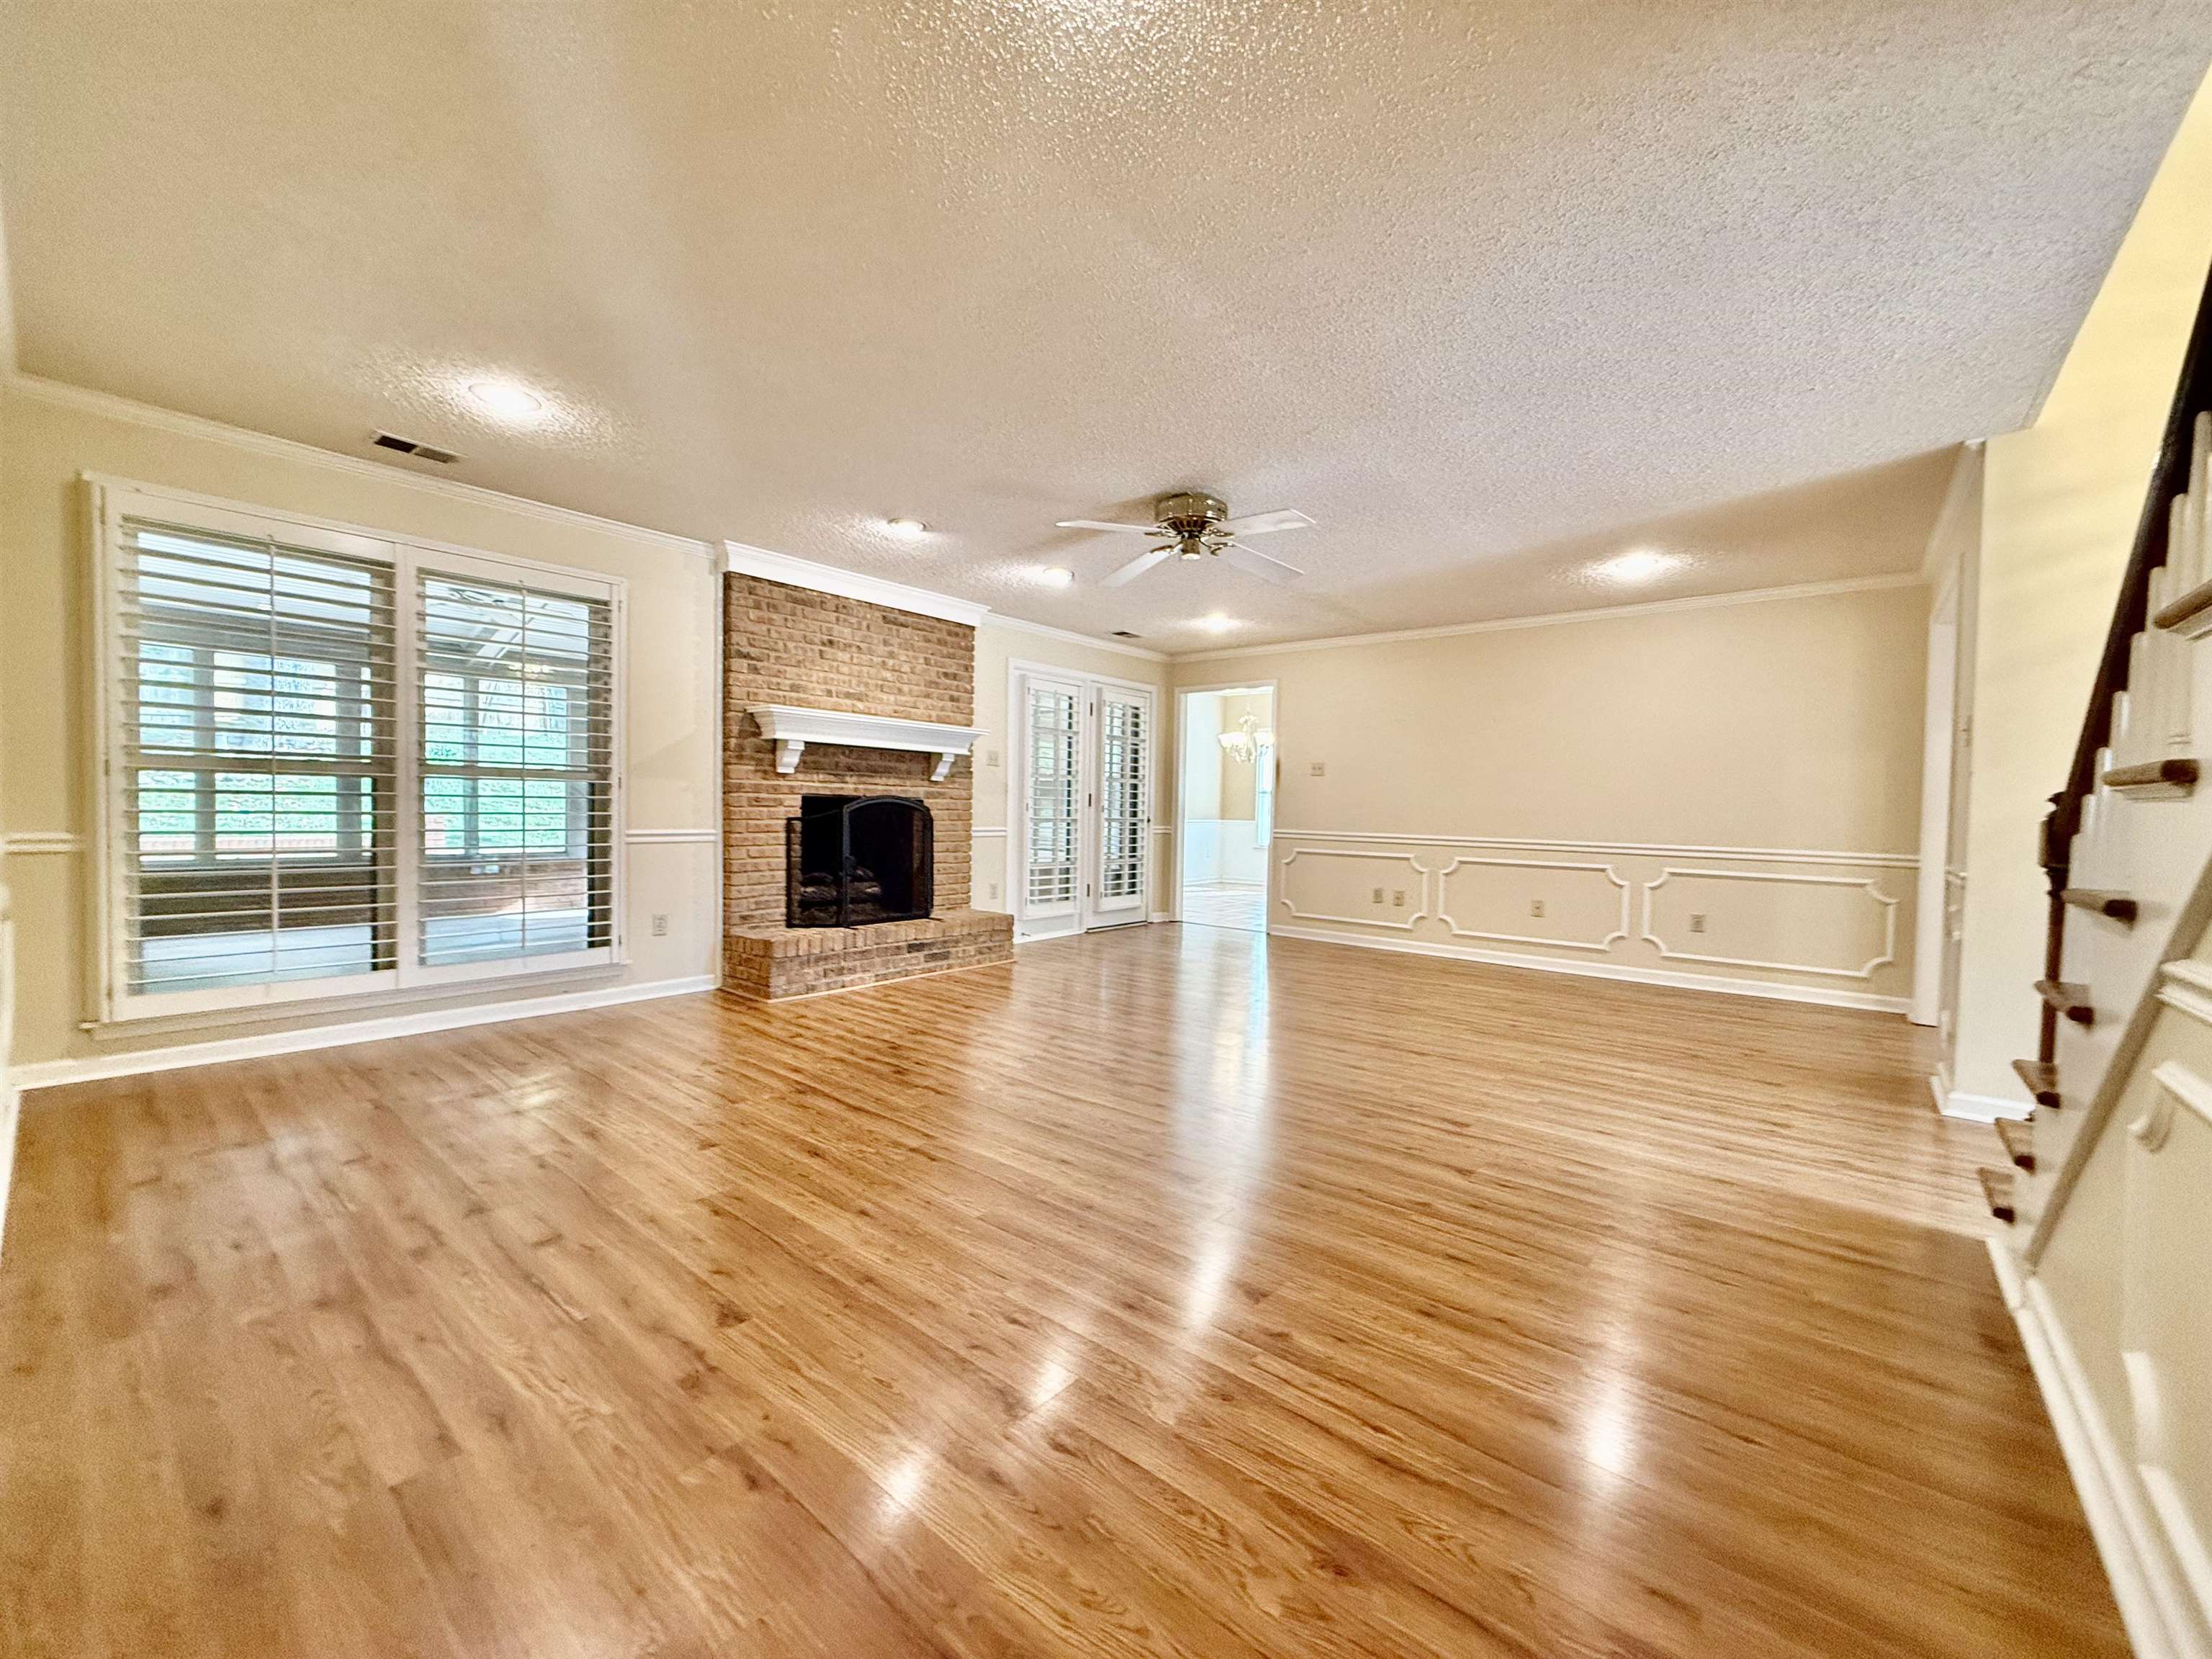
[
  {"x": 336, "y": 764},
  {"x": 1125, "y": 767},
  {"x": 1081, "y": 840},
  {"x": 516, "y": 693},
  {"x": 1051, "y": 762},
  {"x": 253, "y": 762}
]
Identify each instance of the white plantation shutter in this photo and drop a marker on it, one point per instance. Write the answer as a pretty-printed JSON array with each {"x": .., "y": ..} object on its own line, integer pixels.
[
  {"x": 335, "y": 764},
  {"x": 1125, "y": 830},
  {"x": 515, "y": 849},
  {"x": 1050, "y": 726},
  {"x": 252, "y": 765}
]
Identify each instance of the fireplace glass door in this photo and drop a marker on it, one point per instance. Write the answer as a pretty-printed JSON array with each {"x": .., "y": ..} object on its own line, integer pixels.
[{"x": 850, "y": 861}]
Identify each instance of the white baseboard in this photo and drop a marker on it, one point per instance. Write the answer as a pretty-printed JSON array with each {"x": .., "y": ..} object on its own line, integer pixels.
[
  {"x": 1822, "y": 994},
  {"x": 45, "y": 1074},
  {"x": 2153, "y": 1600},
  {"x": 1980, "y": 1108}
]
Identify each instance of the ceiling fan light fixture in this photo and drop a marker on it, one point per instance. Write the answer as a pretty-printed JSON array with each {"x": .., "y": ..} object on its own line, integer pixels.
[{"x": 1194, "y": 525}]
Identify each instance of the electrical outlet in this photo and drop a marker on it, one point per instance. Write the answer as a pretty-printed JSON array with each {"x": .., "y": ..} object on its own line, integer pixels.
[
  {"x": 1535, "y": 907},
  {"x": 1697, "y": 921},
  {"x": 660, "y": 924},
  {"x": 1378, "y": 896},
  {"x": 995, "y": 892},
  {"x": 1398, "y": 899},
  {"x": 990, "y": 757},
  {"x": 1317, "y": 769}
]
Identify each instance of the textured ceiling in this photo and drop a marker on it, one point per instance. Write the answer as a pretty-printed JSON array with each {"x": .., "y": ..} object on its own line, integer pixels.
[{"x": 1488, "y": 290}]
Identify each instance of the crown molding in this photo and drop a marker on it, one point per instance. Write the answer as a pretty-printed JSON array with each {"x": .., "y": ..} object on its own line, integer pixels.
[
  {"x": 86, "y": 401},
  {"x": 1555, "y": 619},
  {"x": 999, "y": 619},
  {"x": 770, "y": 565}
]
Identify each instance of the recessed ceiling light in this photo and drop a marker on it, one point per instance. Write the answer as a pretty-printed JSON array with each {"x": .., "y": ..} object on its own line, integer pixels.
[
  {"x": 507, "y": 400},
  {"x": 1054, "y": 576},
  {"x": 1217, "y": 624},
  {"x": 1638, "y": 564},
  {"x": 906, "y": 530}
]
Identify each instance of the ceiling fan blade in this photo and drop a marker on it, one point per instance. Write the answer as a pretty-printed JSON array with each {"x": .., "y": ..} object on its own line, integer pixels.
[
  {"x": 1259, "y": 524},
  {"x": 1136, "y": 567},
  {"x": 1101, "y": 524},
  {"x": 1256, "y": 564}
]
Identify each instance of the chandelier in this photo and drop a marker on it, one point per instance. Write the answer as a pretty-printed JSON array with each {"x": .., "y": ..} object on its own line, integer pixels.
[{"x": 1245, "y": 743}]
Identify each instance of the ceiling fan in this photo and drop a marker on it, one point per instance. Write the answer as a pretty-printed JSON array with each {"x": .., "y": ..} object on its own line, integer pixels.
[{"x": 1192, "y": 525}]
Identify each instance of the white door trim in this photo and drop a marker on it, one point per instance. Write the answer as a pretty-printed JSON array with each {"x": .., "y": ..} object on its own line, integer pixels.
[
  {"x": 1939, "y": 711},
  {"x": 1182, "y": 819}
]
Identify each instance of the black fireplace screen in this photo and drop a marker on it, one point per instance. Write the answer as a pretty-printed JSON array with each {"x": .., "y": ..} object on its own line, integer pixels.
[{"x": 852, "y": 860}]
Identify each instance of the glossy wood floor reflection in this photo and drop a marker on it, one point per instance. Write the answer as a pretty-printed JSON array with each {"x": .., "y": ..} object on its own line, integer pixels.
[{"x": 1170, "y": 1292}]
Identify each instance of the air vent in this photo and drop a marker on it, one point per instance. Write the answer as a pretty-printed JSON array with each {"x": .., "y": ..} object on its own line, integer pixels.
[
  {"x": 1124, "y": 634},
  {"x": 409, "y": 446}
]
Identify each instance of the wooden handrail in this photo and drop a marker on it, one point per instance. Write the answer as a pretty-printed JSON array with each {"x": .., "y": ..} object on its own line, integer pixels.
[{"x": 2169, "y": 477}]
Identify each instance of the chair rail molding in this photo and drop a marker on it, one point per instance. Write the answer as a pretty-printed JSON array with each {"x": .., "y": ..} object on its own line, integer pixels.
[
  {"x": 1870, "y": 885},
  {"x": 1421, "y": 881},
  {"x": 1618, "y": 848},
  {"x": 23, "y": 843},
  {"x": 1443, "y": 899}
]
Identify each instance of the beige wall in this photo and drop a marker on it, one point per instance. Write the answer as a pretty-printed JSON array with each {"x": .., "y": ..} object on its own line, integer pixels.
[
  {"x": 45, "y": 636},
  {"x": 1482, "y": 773},
  {"x": 1237, "y": 779},
  {"x": 2060, "y": 505},
  {"x": 997, "y": 645},
  {"x": 1197, "y": 773}
]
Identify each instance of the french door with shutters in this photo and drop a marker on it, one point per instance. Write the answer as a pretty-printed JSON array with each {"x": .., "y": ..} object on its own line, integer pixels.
[{"x": 1081, "y": 843}]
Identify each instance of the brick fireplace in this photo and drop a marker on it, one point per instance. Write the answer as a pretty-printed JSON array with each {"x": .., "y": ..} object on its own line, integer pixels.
[{"x": 794, "y": 648}]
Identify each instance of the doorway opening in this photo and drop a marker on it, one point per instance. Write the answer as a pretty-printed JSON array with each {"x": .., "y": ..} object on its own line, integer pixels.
[{"x": 1226, "y": 804}]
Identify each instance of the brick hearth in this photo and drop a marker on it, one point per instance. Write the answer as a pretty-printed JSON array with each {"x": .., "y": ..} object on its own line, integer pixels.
[{"x": 791, "y": 645}]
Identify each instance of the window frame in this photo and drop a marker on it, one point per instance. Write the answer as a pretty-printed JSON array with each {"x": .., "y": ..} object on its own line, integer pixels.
[{"x": 114, "y": 500}]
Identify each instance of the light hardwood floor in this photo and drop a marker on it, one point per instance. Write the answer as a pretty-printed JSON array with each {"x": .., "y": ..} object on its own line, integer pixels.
[
  {"x": 1226, "y": 904},
  {"x": 1173, "y": 1291}
]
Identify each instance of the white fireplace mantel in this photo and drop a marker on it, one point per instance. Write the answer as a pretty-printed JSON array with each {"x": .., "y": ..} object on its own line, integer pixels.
[{"x": 791, "y": 729}]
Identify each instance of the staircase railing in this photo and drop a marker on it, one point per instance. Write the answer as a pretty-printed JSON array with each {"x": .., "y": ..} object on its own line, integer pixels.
[{"x": 2192, "y": 391}]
